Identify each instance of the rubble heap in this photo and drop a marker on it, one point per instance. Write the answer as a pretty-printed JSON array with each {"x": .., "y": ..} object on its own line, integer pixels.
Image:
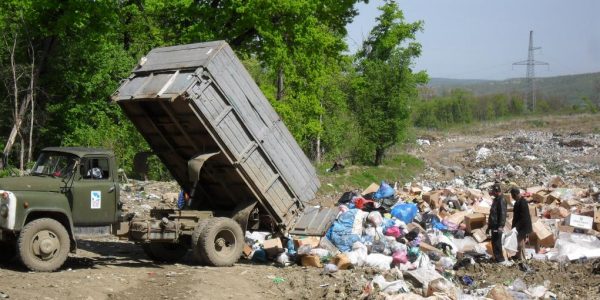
[{"x": 416, "y": 238}]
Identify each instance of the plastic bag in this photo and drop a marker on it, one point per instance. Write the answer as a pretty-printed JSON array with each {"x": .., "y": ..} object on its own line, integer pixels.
[
  {"x": 443, "y": 287},
  {"x": 405, "y": 212},
  {"x": 390, "y": 286},
  {"x": 343, "y": 231},
  {"x": 509, "y": 242},
  {"x": 358, "y": 255},
  {"x": 384, "y": 191},
  {"x": 399, "y": 257},
  {"x": 379, "y": 261},
  {"x": 375, "y": 218},
  {"x": 304, "y": 249},
  {"x": 393, "y": 231}
]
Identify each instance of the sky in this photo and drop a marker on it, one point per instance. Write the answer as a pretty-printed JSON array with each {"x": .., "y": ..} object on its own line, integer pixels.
[{"x": 480, "y": 39}]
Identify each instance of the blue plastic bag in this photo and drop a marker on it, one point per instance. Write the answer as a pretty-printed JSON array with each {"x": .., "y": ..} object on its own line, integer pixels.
[
  {"x": 340, "y": 233},
  {"x": 405, "y": 212},
  {"x": 384, "y": 191}
]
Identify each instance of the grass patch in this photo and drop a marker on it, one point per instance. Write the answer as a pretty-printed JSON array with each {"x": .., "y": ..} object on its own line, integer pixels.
[
  {"x": 537, "y": 123},
  {"x": 401, "y": 167}
]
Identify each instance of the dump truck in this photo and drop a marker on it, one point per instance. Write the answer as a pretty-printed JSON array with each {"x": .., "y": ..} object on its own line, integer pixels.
[{"x": 207, "y": 121}]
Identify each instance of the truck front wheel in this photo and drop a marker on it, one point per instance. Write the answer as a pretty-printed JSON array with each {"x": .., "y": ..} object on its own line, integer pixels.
[
  {"x": 43, "y": 245},
  {"x": 220, "y": 243}
]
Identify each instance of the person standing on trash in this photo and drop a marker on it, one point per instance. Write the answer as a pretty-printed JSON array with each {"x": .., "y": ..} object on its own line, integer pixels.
[
  {"x": 496, "y": 222},
  {"x": 521, "y": 221}
]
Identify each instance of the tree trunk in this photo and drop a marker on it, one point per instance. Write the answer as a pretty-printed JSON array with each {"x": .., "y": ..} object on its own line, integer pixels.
[
  {"x": 318, "y": 143},
  {"x": 379, "y": 153},
  {"x": 280, "y": 84},
  {"x": 19, "y": 113},
  {"x": 29, "y": 151},
  {"x": 22, "y": 157}
]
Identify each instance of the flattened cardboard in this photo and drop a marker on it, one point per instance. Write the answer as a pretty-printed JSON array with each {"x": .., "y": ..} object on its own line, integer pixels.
[{"x": 371, "y": 189}]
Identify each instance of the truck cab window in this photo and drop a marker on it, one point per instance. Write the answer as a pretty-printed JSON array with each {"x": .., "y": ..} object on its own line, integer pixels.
[
  {"x": 95, "y": 168},
  {"x": 54, "y": 164}
]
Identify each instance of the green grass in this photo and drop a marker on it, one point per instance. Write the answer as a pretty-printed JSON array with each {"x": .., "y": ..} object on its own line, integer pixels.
[{"x": 398, "y": 167}]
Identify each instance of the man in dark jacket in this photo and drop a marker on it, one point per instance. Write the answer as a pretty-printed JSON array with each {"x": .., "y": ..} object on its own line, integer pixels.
[
  {"x": 521, "y": 221},
  {"x": 496, "y": 221}
]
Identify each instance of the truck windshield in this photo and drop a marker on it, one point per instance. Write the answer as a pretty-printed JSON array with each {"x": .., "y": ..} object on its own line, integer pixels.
[{"x": 54, "y": 164}]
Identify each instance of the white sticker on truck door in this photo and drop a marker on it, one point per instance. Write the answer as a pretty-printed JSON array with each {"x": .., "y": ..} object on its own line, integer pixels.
[{"x": 96, "y": 199}]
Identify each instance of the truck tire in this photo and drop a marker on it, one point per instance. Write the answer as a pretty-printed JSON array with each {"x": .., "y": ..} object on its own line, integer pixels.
[
  {"x": 221, "y": 242},
  {"x": 44, "y": 245},
  {"x": 8, "y": 251},
  {"x": 196, "y": 250},
  {"x": 165, "y": 251}
]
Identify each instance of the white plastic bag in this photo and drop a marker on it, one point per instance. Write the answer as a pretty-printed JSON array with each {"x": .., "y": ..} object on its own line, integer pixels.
[
  {"x": 379, "y": 261},
  {"x": 509, "y": 242},
  {"x": 358, "y": 255}
]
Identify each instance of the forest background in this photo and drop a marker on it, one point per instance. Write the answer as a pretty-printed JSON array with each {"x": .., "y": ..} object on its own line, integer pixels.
[{"x": 61, "y": 60}]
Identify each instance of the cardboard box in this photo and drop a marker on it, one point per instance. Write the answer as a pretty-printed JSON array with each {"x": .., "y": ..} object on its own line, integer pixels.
[
  {"x": 412, "y": 226},
  {"x": 342, "y": 261},
  {"x": 457, "y": 217},
  {"x": 547, "y": 242},
  {"x": 579, "y": 221},
  {"x": 570, "y": 204},
  {"x": 313, "y": 241},
  {"x": 371, "y": 189},
  {"x": 597, "y": 226},
  {"x": 559, "y": 212},
  {"x": 311, "y": 261},
  {"x": 533, "y": 213},
  {"x": 490, "y": 251},
  {"x": 566, "y": 228},
  {"x": 596, "y": 214},
  {"x": 428, "y": 248},
  {"x": 433, "y": 199},
  {"x": 474, "y": 221},
  {"x": 481, "y": 209},
  {"x": 541, "y": 231},
  {"x": 540, "y": 197},
  {"x": 534, "y": 189},
  {"x": 479, "y": 235},
  {"x": 247, "y": 250},
  {"x": 273, "y": 246}
]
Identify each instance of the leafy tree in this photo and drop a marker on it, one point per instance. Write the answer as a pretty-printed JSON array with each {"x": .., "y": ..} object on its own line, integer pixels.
[{"x": 385, "y": 84}]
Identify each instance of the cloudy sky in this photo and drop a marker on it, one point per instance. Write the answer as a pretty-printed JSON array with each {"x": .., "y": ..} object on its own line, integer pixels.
[{"x": 480, "y": 39}]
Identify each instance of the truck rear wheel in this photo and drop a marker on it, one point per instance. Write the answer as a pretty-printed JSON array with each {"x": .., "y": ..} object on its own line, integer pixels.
[
  {"x": 221, "y": 242},
  {"x": 165, "y": 251},
  {"x": 196, "y": 238},
  {"x": 8, "y": 251},
  {"x": 44, "y": 245}
]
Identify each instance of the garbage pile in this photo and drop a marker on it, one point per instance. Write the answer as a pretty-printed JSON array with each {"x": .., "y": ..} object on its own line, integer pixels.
[
  {"x": 416, "y": 238},
  {"x": 139, "y": 197},
  {"x": 525, "y": 157}
]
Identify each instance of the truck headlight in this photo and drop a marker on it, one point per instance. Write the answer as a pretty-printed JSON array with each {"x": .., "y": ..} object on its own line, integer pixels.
[{"x": 4, "y": 210}]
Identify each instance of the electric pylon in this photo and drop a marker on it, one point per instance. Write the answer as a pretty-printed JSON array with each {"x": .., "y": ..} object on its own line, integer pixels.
[{"x": 530, "y": 76}]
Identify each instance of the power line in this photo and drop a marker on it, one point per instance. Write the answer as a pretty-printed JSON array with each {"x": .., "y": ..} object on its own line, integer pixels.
[{"x": 530, "y": 75}]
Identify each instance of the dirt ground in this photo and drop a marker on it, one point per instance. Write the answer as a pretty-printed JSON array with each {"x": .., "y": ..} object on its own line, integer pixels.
[{"x": 108, "y": 268}]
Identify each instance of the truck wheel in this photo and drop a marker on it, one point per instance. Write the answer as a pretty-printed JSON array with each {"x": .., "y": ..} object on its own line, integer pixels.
[
  {"x": 221, "y": 242},
  {"x": 44, "y": 245},
  {"x": 8, "y": 251},
  {"x": 196, "y": 250},
  {"x": 164, "y": 251}
]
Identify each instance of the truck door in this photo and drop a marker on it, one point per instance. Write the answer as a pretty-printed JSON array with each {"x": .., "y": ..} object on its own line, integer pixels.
[{"x": 94, "y": 193}]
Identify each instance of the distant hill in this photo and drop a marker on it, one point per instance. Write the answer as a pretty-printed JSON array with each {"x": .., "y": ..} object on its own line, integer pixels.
[{"x": 569, "y": 88}]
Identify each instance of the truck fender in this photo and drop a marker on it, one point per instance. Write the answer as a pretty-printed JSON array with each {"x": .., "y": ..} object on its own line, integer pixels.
[
  {"x": 57, "y": 214},
  {"x": 241, "y": 214}
]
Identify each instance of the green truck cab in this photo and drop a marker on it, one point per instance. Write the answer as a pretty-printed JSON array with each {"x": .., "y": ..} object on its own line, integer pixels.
[{"x": 66, "y": 187}]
